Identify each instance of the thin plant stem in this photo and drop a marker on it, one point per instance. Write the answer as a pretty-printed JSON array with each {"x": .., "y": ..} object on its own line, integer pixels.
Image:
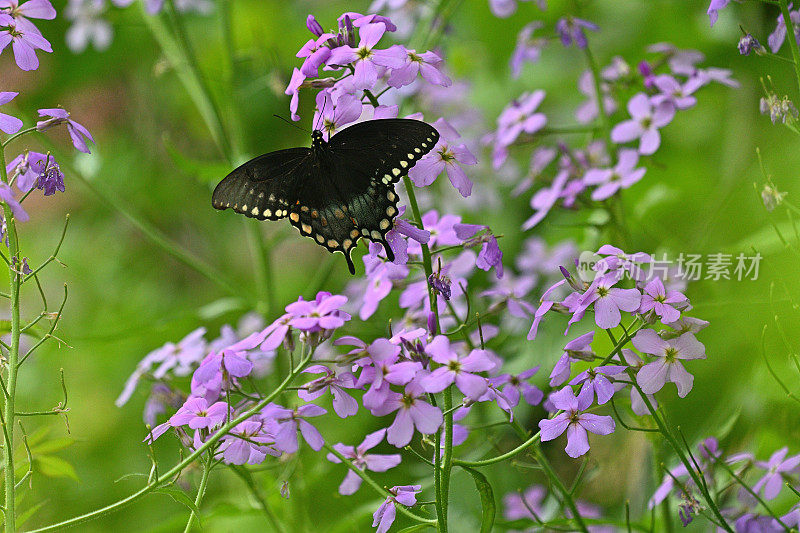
[
  {"x": 167, "y": 477},
  {"x": 565, "y": 493},
  {"x": 374, "y": 484},
  {"x": 247, "y": 478},
  {"x": 201, "y": 492},
  {"x": 13, "y": 363}
]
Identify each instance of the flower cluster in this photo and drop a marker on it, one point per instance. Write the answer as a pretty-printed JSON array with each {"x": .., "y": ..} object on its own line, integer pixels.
[
  {"x": 17, "y": 30},
  {"x": 596, "y": 172}
]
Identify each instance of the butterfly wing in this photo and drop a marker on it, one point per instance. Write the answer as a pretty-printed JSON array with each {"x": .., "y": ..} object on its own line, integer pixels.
[
  {"x": 386, "y": 148},
  {"x": 266, "y": 186}
]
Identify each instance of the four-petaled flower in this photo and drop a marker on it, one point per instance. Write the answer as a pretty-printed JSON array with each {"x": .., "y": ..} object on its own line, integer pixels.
[
  {"x": 646, "y": 119},
  {"x": 364, "y": 461},
  {"x": 78, "y": 133},
  {"x": 384, "y": 517},
  {"x": 462, "y": 371},
  {"x": 652, "y": 376},
  {"x": 575, "y": 422}
]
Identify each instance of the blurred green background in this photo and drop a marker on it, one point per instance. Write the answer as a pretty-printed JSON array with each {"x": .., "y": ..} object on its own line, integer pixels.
[{"x": 127, "y": 297}]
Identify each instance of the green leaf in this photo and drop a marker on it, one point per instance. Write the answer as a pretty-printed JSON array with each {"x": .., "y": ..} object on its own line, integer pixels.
[
  {"x": 52, "y": 446},
  {"x": 179, "y": 496},
  {"x": 487, "y": 499},
  {"x": 52, "y": 466},
  {"x": 28, "y": 513}
]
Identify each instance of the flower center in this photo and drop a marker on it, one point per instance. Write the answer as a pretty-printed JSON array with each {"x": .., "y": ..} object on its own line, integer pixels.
[
  {"x": 670, "y": 354},
  {"x": 364, "y": 53},
  {"x": 602, "y": 292},
  {"x": 454, "y": 366}
]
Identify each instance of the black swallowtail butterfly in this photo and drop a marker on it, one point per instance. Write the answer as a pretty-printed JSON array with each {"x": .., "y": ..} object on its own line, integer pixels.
[{"x": 336, "y": 191}]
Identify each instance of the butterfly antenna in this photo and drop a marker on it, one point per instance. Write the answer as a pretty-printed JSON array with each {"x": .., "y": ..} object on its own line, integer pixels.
[
  {"x": 321, "y": 113},
  {"x": 289, "y": 122}
]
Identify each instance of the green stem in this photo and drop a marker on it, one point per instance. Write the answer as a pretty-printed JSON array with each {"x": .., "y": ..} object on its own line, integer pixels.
[
  {"x": 13, "y": 366},
  {"x": 508, "y": 455},
  {"x": 201, "y": 492},
  {"x": 447, "y": 457},
  {"x": 787, "y": 19},
  {"x": 167, "y": 477},
  {"x": 374, "y": 484},
  {"x": 551, "y": 474},
  {"x": 605, "y": 123},
  {"x": 245, "y": 476},
  {"x": 16, "y": 135}
]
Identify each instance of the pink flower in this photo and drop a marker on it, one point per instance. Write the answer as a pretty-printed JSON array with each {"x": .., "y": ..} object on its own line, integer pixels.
[
  {"x": 445, "y": 156},
  {"x": 574, "y": 422},
  {"x": 652, "y": 377},
  {"x": 24, "y": 39},
  {"x": 462, "y": 371},
  {"x": 428, "y": 64},
  {"x": 646, "y": 118},
  {"x": 412, "y": 412},
  {"x": 366, "y": 59},
  {"x": 364, "y": 461}
]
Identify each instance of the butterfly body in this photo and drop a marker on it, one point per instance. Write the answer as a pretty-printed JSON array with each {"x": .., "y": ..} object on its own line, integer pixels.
[{"x": 336, "y": 191}]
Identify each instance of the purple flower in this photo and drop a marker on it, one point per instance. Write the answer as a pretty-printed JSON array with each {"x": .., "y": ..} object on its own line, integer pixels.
[
  {"x": 520, "y": 505},
  {"x": 412, "y": 412},
  {"x": 571, "y": 30},
  {"x": 323, "y": 313},
  {"x": 776, "y": 468},
  {"x": 608, "y": 301},
  {"x": 343, "y": 403},
  {"x": 596, "y": 382},
  {"x": 454, "y": 369},
  {"x": 646, "y": 119},
  {"x": 32, "y": 9},
  {"x": 506, "y": 8},
  {"x": 517, "y": 386},
  {"x": 490, "y": 254},
  {"x": 50, "y": 178},
  {"x": 747, "y": 44},
  {"x": 248, "y": 443},
  {"x": 197, "y": 413},
  {"x": 445, "y": 156},
  {"x": 678, "y": 95},
  {"x": 380, "y": 277},
  {"x": 618, "y": 262},
  {"x": 545, "y": 198},
  {"x": 441, "y": 231},
  {"x": 652, "y": 377},
  {"x": 7, "y": 196},
  {"x": 366, "y": 58},
  {"x": 609, "y": 180},
  {"x": 26, "y": 168},
  {"x": 384, "y": 517},
  {"x": 177, "y": 358},
  {"x": 381, "y": 368},
  {"x": 364, "y": 461},
  {"x": 528, "y": 49},
  {"x": 638, "y": 405},
  {"x": 24, "y": 39},
  {"x": 293, "y": 90},
  {"x": 715, "y": 6},
  {"x": 589, "y": 110},
  {"x": 289, "y": 421},
  {"x": 578, "y": 349},
  {"x": 511, "y": 290},
  {"x": 657, "y": 299},
  {"x": 427, "y": 64},
  {"x": 403, "y": 228},
  {"x": 574, "y": 422},
  {"x": 520, "y": 116},
  {"x": 78, "y": 133},
  {"x": 776, "y": 38},
  {"x": 330, "y": 116},
  {"x": 315, "y": 53},
  {"x": 9, "y": 124},
  {"x": 227, "y": 363}
]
